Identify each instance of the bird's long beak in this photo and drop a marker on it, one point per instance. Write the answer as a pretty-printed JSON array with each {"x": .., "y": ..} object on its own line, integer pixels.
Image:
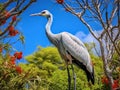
[{"x": 35, "y": 14}]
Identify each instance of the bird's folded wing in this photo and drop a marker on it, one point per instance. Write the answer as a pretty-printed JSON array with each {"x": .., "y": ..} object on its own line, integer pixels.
[
  {"x": 76, "y": 48},
  {"x": 77, "y": 40}
]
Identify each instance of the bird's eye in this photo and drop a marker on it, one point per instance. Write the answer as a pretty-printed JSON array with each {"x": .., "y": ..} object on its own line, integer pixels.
[{"x": 43, "y": 12}]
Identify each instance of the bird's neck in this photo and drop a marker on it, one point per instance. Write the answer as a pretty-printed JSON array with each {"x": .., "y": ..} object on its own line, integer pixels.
[
  {"x": 49, "y": 23},
  {"x": 50, "y": 35}
]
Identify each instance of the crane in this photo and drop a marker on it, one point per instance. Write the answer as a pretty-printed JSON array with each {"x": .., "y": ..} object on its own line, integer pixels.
[{"x": 71, "y": 49}]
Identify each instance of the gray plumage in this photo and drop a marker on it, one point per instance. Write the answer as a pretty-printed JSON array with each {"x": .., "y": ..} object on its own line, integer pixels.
[{"x": 71, "y": 49}]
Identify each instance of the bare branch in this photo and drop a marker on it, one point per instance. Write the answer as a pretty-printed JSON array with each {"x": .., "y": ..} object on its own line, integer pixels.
[
  {"x": 111, "y": 39},
  {"x": 18, "y": 5},
  {"x": 79, "y": 15},
  {"x": 89, "y": 27},
  {"x": 113, "y": 14},
  {"x": 5, "y": 5},
  {"x": 10, "y": 24}
]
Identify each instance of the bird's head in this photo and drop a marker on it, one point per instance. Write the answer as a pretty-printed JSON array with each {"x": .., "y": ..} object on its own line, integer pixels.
[{"x": 44, "y": 13}]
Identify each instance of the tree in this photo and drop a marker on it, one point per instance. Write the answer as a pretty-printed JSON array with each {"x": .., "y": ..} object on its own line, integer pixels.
[
  {"x": 105, "y": 14},
  {"x": 52, "y": 71},
  {"x": 48, "y": 61},
  {"x": 12, "y": 75}
]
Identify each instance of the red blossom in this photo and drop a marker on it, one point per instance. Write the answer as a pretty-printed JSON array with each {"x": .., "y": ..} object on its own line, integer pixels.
[
  {"x": 13, "y": 33},
  {"x": 14, "y": 18},
  {"x": 115, "y": 84},
  {"x": 1, "y": 49},
  {"x": 18, "y": 69},
  {"x": 105, "y": 80},
  {"x": 18, "y": 55},
  {"x": 60, "y": 1},
  {"x": 11, "y": 28},
  {"x": 12, "y": 60}
]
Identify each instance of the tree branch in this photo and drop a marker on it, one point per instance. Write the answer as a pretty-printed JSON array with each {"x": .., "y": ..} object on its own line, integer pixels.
[
  {"x": 5, "y": 5},
  {"x": 113, "y": 14},
  {"x": 10, "y": 24},
  {"x": 12, "y": 11},
  {"x": 79, "y": 15}
]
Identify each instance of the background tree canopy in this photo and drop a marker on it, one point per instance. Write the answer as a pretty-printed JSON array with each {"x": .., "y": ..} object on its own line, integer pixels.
[{"x": 53, "y": 74}]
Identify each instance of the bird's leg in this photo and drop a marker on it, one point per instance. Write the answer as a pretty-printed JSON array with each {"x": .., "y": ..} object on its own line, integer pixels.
[
  {"x": 74, "y": 76},
  {"x": 69, "y": 78}
]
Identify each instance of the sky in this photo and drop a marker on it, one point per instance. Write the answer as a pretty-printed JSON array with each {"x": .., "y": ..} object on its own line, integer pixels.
[{"x": 33, "y": 27}]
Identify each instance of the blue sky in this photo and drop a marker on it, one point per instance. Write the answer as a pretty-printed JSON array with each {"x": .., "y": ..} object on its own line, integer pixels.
[{"x": 33, "y": 28}]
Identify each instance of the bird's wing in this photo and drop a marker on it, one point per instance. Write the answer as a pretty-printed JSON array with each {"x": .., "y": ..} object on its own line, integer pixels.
[
  {"x": 76, "y": 40},
  {"x": 76, "y": 48}
]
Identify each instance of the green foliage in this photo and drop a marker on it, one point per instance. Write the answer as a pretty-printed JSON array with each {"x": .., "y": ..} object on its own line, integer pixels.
[
  {"x": 13, "y": 76},
  {"x": 16, "y": 77},
  {"x": 46, "y": 70},
  {"x": 1, "y": 6},
  {"x": 53, "y": 71}
]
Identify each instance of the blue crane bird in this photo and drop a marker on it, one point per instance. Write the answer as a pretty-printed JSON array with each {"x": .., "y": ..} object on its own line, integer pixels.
[{"x": 71, "y": 49}]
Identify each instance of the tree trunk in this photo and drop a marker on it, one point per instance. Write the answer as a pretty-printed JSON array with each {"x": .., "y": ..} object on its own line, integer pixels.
[{"x": 107, "y": 70}]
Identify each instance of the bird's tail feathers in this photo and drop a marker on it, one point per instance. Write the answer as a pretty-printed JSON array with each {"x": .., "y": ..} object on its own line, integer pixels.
[{"x": 90, "y": 76}]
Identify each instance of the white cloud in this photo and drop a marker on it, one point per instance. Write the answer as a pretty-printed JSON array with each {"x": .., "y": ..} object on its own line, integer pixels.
[
  {"x": 85, "y": 37},
  {"x": 80, "y": 35}
]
